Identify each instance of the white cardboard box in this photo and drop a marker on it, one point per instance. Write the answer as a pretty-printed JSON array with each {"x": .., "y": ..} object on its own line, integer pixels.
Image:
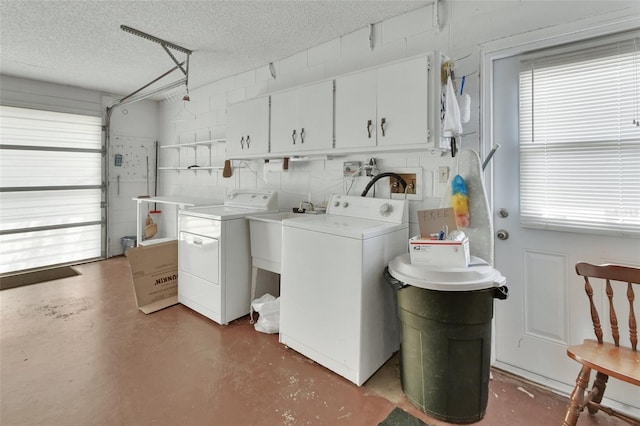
[{"x": 439, "y": 252}]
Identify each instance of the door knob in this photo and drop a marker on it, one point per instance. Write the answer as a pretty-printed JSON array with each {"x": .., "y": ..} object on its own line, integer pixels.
[
  {"x": 502, "y": 234},
  {"x": 503, "y": 213}
]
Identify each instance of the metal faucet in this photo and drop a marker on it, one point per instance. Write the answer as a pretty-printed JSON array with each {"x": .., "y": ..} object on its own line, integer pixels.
[{"x": 307, "y": 204}]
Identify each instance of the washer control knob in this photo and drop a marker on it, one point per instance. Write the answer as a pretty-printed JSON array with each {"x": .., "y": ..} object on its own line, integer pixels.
[
  {"x": 232, "y": 195},
  {"x": 345, "y": 204},
  {"x": 386, "y": 209},
  {"x": 336, "y": 203}
]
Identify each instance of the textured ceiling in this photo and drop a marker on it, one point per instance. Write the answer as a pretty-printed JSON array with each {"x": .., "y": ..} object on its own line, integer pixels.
[{"x": 80, "y": 43}]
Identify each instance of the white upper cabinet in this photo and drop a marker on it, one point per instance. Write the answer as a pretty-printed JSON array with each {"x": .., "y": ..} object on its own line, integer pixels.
[
  {"x": 402, "y": 103},
  {"x": 388, "y": 107},
  {"x": 302, "y": 119},
  {"x": 395, "y": 107},
  {"x": 356, "y": 110},
  {"x": 248, "y": 128}
]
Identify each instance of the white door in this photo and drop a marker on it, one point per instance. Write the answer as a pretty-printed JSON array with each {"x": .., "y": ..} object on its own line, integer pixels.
[
  {"x": 248, "y": 127},
  {"x": 316, "y": 116},
  {"x": 547, "y": 308},
  {"x": 356, "y": 110},
  {"x": 403, "y": 98},
  {"x": 302, "y": 119},
  {"x": 284, "y": 122}
]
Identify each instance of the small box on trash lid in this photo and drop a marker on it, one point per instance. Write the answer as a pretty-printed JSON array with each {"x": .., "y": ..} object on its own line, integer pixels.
[{"x": 439, "y": 252}]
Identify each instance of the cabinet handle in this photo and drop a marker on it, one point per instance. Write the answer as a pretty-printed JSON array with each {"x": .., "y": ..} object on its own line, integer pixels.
[
  {"x": 302, "y": 135},
  {"x": 383, "y": 121},
  {"x": 369, "y": 128},
  {"x": 242, "y": 143},
  {"x": 197, "y": 242},
  {"x": 293, "y": 136},
  {"x": 248, "y": 141}
]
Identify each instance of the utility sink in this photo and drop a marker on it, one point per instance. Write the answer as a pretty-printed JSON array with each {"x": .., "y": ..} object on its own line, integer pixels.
[{"x": 266, "y": 239}]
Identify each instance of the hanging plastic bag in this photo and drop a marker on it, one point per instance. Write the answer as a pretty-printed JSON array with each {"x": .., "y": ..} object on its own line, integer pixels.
[
  {"x": 269, "y": 309},
  {"x": 452, "y": 125}
]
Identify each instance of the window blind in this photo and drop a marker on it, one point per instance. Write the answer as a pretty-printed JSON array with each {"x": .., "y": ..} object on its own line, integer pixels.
[
  {"x": 580, "y": 138},
  {"x": 50, "y": 188}
]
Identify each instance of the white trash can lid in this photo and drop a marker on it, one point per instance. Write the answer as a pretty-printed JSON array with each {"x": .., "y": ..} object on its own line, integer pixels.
[{"x": 478, "y": 276}]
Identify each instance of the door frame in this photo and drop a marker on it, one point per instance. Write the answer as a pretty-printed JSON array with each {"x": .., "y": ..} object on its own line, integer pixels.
[{"x": 516, "y": 45}]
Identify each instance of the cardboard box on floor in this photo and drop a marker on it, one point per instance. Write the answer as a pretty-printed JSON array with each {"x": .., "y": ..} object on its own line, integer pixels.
[{"x": 154, "y": 269}]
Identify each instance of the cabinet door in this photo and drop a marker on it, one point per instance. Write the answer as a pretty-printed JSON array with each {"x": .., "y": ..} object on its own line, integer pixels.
[
  {"x": 355, "y": 109},
  {"x": 403, "y": 103},
  {"x": 285, "y": 135},
  {"x": 315, "y": 104},
  {"x": 248, "y": 127}
]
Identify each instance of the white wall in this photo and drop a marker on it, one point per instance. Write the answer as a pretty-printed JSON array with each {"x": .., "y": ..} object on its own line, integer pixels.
[{"x": 464, "y": 27}]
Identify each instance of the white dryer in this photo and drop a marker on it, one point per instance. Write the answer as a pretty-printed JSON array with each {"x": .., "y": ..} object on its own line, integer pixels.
[
  {"x": 335, "y": 304},
  {"x": 214, "y": 254}
]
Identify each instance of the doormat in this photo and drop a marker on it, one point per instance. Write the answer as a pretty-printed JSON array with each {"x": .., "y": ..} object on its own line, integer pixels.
[
  {"x": 399, "y": 417},
  {"x": 35, "y": 277}
]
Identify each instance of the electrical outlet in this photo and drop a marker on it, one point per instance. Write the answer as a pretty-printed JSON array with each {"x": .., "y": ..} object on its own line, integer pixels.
[
  {"x": 351, "y": 168},
  {"x": 409, "y": 178},
  {"x": 443, "y": 174},
  {"x": 370, "y": 166}
]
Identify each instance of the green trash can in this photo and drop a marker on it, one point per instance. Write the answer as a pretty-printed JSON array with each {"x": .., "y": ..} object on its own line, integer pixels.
[{"x": 445, "y": 351}]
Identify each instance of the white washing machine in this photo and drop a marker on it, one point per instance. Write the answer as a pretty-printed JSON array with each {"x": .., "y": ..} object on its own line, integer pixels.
[
  {"x": 214, "y": 254},
  {"x": 335, "y": 304}
]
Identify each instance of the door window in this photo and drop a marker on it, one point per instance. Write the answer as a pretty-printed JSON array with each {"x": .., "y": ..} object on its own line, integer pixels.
[{"x": 580, "y": 138}]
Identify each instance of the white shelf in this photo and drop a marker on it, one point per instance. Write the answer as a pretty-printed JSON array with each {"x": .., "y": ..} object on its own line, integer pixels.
[
  {"x": 177, "y": 202},
  {"x": 178, "y": 147},
  {"x": 156, "y": 241},
  {"x": 194, "y": 169},
  {"x": 193, "y": 144}
]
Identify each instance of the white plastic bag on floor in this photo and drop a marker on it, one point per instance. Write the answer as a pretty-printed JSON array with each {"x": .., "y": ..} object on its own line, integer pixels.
[{"x": 269, "y": 309}]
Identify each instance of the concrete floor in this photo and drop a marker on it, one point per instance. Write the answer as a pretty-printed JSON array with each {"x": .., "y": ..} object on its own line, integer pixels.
[{"x": 77, "y": 351}]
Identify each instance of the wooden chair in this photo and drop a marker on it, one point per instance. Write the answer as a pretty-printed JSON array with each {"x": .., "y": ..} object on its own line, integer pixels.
[{"x": 607, "y": 359}]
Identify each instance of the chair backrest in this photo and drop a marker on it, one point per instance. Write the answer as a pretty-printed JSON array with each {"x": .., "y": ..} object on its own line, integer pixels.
[{"x": 609, "y": 272}]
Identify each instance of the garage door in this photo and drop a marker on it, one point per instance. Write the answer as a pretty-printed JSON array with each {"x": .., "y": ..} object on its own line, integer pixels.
[{"x": 51, "y": 191}]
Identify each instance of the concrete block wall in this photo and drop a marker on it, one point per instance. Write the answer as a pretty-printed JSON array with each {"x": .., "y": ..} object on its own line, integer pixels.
[
  {"x": 133, "y": 134},
  {"x": 458, "y": 28}
]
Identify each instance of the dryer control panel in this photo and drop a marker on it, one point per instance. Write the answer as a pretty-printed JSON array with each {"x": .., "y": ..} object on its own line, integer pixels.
[
  {"x": 255, "y": 199},
  {"x": 380, "y": 209}
]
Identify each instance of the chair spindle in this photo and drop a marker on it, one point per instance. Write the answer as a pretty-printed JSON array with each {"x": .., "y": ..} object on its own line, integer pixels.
[
  {"x": 613, "y": 318},
  {"x": 633, "y": 326},
  {"x": 594, "y": 312}
]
